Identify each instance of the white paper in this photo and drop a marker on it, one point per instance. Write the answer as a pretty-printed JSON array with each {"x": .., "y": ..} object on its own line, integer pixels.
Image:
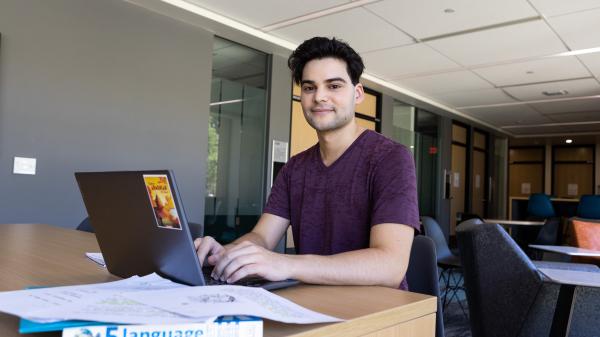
[
  {"x": 525, "y": 188},
  {"x": 456, "y": 179},
  {"x": 572, "y": 189},
  {"x": 95, "y": 302},
  {"x": 280, "y": 151},
  {"x": 96, "y": 257},
  {"x": 229, "y": 300}
]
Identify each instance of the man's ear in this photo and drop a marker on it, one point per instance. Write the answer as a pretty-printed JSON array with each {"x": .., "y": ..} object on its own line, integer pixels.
[{"x": 359, "y": 93}]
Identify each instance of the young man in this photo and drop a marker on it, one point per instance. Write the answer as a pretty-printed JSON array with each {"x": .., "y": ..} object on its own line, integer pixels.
[{"x": 351, "y": 199}]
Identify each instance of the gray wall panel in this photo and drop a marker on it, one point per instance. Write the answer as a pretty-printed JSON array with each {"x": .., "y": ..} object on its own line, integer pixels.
[{"x": 98, "y": 85}]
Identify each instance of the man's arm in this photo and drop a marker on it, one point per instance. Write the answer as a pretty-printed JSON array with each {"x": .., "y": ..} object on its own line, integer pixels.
[
  {"x": 383, "y": 263},
  {"x": 267, "y": 233}
]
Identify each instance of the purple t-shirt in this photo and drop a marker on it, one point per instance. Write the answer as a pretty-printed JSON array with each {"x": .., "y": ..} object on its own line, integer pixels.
[{"x": 332, "y": 209}]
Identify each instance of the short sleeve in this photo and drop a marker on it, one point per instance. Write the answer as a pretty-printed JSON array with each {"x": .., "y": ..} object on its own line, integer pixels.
[
  {"x": 394, "y": 189},
  {"x": 279, "y": 199}
]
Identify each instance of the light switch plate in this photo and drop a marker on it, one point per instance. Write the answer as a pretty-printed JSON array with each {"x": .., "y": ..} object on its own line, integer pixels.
[{"x": 24, "y": 165}]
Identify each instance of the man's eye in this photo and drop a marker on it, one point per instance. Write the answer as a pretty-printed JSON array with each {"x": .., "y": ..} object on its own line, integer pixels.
[
  {"x": 308, "y": 89},
  {"x": 335, "y": 86}
]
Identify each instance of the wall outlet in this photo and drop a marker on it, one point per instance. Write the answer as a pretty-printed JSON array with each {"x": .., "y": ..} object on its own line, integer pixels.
[{"x": 24, "y": 165}]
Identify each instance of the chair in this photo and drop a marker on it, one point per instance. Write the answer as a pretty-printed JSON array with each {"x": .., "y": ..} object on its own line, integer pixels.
[
  {"x": 589, "y": 207},
  {"x": 548, "y": 235},
  {"x": 448, "y": 262},
  {"x": 539, "y": 207},
  {"x": 85, "y": 226},
  {"x": 586, "y": 234},
  {"x": 507, "y": 295},
  {"x": 422, "y": 275}
]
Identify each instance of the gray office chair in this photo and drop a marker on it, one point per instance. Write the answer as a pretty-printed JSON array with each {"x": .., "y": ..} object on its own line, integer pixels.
[
  {"x": 85, "y": 226},
  {"x": 507, "y": 295},
  {"x": 422, "y": 275},
  {"x": 448, "y": 262}
]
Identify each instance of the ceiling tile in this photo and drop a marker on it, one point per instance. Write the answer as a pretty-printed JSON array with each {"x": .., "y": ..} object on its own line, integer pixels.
[
  {"x": 542, "y": 70},
  {"x": 427, "y": 18},
  {"x": 508, "y": 115},
  {"x": 477, "y": 97},
  {"x": 406, "y": 60},
  {"x": 583, "y": 116},
  {"x": 261, "y": 13},
  {"x": 575, "y": 88},
  {"x": 371, "y": 34},
  {"x": 445, "y": 82},
  {"x": 577, "y": 29},
  {"x": 558, "y": 7},
  {"x": 568, "y": 106},
  {"x": 592, "y": 61},
  {"x": 529, "y": 39}
]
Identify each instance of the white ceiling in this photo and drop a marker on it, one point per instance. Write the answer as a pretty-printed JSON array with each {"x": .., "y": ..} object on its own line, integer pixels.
[{"x": 491, "y": 60}]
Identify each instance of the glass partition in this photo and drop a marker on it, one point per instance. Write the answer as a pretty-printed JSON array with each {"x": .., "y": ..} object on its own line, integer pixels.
[{"x": 236, "y": 140}]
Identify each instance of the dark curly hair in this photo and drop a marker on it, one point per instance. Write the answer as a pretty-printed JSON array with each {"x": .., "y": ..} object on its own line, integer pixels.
[{"x": 322, "y": 47}]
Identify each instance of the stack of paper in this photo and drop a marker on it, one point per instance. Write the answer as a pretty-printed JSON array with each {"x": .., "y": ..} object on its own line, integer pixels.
[{"x": 151, "y": 300}]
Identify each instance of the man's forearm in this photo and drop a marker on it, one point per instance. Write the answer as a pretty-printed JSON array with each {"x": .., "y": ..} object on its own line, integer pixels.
[
  {"x": 251, "y": 237},
  {"x": 370, "y": 266}
]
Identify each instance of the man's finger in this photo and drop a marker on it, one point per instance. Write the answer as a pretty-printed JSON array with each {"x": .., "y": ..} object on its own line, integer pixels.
[{"x": 229, "y": 256}]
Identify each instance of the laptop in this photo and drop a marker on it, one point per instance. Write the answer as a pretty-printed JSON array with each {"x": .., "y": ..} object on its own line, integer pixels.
[{"x": 141, "y": 227}]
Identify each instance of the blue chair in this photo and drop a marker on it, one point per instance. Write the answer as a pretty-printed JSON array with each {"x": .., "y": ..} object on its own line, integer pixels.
[
  {"x": 540, "y": 207},
  {"x": 589, "y": 207}
]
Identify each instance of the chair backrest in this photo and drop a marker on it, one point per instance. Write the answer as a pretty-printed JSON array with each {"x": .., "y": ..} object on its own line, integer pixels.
[
  {"x": 540, "y": 206},
  {"x": 589, "y": 206},
  {"x": 434, "y": 231},
  {"x": 501, "y": 282},
  {"x": 470, "y": 221},
  {"x": 586, "y": 234},
  {"x": 548, "y": 235},
  {"x": 85, "y": 226},
  {"x": 422, "y": 274}
]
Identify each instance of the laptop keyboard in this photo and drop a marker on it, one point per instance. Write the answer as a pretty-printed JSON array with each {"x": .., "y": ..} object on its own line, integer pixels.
[{"x": 248, "y": 282}]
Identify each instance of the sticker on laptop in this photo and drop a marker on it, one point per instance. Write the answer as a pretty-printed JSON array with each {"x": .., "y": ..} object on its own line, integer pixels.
[{"x": 161, "y": 199}]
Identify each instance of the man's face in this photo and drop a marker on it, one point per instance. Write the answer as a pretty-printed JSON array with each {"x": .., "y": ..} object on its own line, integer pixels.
[{"x": 328, "y": 96}]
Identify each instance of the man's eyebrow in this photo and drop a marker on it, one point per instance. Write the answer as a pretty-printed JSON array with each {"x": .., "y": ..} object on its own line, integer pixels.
[
  {"x": 335, "y": 79},
  {"x": 329, "y": 80}
]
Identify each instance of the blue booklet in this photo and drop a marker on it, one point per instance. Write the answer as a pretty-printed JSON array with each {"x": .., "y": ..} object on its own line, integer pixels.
[{"x": 27, "y": 326}]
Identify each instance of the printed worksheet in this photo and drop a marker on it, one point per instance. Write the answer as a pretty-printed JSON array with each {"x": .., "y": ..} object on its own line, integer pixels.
[
  {"x": 101, "y": 302},
  {"x": 229, "y": 300}
]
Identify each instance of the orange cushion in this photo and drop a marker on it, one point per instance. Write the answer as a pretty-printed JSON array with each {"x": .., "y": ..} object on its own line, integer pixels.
[{"x": 586, "y": 234}]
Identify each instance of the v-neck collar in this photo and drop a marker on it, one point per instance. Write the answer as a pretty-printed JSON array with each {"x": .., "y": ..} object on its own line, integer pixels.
[{"x": 320, "y": 163}]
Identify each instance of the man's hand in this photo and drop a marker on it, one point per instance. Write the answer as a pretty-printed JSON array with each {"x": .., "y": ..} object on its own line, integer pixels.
[
  {"x": 249, "y": 259},
  {"x": 206, "y": 247}
]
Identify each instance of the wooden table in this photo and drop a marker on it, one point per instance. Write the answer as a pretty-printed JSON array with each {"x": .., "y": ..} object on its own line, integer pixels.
[{"x": 45, "y": 255}]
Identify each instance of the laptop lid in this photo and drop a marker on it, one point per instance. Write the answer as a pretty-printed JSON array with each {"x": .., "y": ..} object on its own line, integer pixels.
[{"x": 140, "y": 224}]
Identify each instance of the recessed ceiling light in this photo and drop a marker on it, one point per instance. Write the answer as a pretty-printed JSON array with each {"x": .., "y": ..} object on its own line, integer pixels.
[
  {"x": 555, "y": 93},
  {"x": 569, "y": 141},
  {"x": 449, "y": 10}
]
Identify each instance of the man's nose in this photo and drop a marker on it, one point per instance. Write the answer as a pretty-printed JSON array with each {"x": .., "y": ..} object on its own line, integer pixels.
[{"x": 321, "y": 95}]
